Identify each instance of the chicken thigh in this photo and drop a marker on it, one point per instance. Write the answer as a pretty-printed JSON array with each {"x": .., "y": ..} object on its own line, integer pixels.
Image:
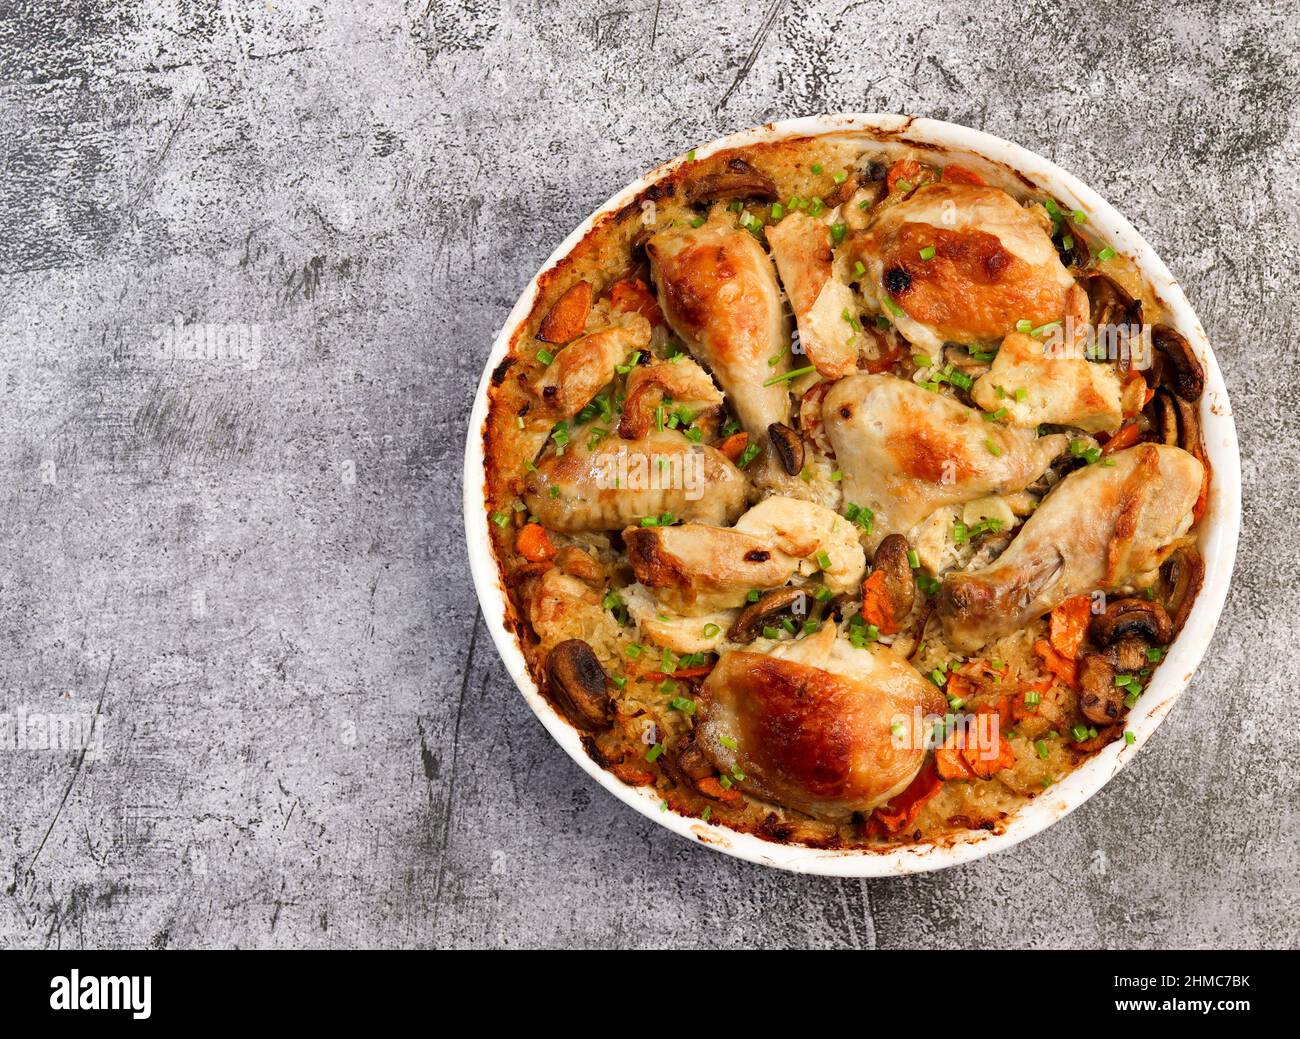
[
  {"x": 718, "y": 290},
  {"x": 906, "y": 452},
  {"x": 990, "y": 265},
  {"x": 811, "y": 724},
  {"x": 1102, "y": 527}
]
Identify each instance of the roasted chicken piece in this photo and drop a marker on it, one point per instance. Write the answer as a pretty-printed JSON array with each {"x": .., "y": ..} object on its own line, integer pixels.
[
  {"x": 580, "y": 369},
  {"x": 683, "y": 381},
  {"x": 718, "y": 290},
  {"x": 821, "y": 302},
  {"x": 1042, "y": 381},
  {"x": 961, "y": 263},
  {"x": 816, "y": 724},
  {"x": 1102, "y": 527},
  {"x": 694, "y": 568},
  {"x": 906, "y": 452},
  {"x": 613, "y": 483}
]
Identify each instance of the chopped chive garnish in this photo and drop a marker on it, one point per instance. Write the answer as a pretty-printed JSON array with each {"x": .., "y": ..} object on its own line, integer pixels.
[
  {"x": 993, "y": 448},
  {"x": 654, "y": 752},
  {"x": 545, "y": 356},
  {"x": 500, "y": 518},
  {"x": 753, "y": 596},
  {"x": 816, "y": 206},
  {"x": 903, "y": 185},
  {"x": 817, "y": 168},
  {"x": 682, "y": 703},
  {"x": 1130, "y": 738},
  {"x": 1106, "y": 253},
  {"x": 858, "y": 269},
  {"x": 710, "y": 630},
  {"x": 913, "y": 560},
  {"x": 840, "y": 177},
  {"x": 823, "y": 560},
  {"x": 727, "y": 742},
  {"x": 1154, "y": 654},
  {"x": 922, "y": 360},
  {"x": 634, "y": 650},
  {"x": 893, "y": 307},
  {"x": 837, "y": 232},
  {"x": 1079, "y": 733},
  {"x": 778, "y": 211},
  {"x": 1024, "y": 325},
  {"x": 1033, "y": 698},
  {"x": 794, "y": 373},
  {"x": 698, "y": 222},
  {"x": 837, "y": 476},
  {"x": 748, "y": 455},
  {"x": 771, "y": 633},
  {"x": 690, "y": 155},
  {"x": 927, "y": 253},
  {"x": 1021, "y": 393}
]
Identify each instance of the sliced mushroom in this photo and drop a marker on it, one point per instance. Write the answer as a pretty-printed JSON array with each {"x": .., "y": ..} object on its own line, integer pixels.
[
  {"x": 787, "y": 445},
  {"x": 1176, "y": 420},
  {"x": 1129, "y": 653},
  {"x": 1116, "y": 315},
  {"x": 738, "y": 180},
  {"x": 1078, "y": 255},
  {"x": 1100, "y": 699},
  {"x": 579, "y": 685},
  {"x": 771, "y": 607},
  {"x": 1132, "y": 617},
  {"x": 1182, "y": 573},
  {"x": 1186, "y": 377},
  {"x": 900, "y": 583}
]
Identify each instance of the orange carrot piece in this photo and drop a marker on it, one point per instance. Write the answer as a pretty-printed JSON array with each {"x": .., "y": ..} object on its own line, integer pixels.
[
  {"x": 877, "y": 608},
  {"x": 534, "y": 544},
  {"x": 962, "y": 175},
  {"x": 903, "y": 809},
  {"x": 1127, "y": 436},
  {"x": 986, "y": 767},
  {"x": 685, "y": 672},
  {"x": 567, "y": 318},
  {"x": 632, "y": 294},
  {"x": 734, "y": 446},
  {"x": 1069, "y": 624},
  {"x": 904, "y": 169},
  {"x": 710, "y": 787},
  {"x": 1062, "y": 667}
]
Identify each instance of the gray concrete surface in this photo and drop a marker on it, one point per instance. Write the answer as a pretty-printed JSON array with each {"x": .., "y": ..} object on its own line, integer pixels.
[{"x": 252, "y": 569}]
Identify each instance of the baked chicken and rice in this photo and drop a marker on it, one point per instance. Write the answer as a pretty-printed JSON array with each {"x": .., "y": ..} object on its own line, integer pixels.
[{"x": 845, "y": 492}]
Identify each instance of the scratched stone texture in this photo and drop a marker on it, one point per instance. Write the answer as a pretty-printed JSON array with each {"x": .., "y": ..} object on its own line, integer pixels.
[{"x": 253, "y": 567}]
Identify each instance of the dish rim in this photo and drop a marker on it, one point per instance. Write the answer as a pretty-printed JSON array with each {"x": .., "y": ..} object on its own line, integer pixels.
[{"x": 1218, "y": 536}]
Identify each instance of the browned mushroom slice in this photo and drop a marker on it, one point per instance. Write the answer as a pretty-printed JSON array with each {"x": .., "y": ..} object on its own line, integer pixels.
[
  {"x": 900, "y": 583},
  {"x": 1100, "y": 699},
  {"x": 1165, "y": 417},
  {"x": 1182, "y": 573},
  {"x": 787, "y": 445},
  {"x": 1128, "y": 617},
  {"x": 1187, "y": 377},
  {"x": 784, "y": 602},
  {"x": 1115, "y": 317},
  {"x": 738, "y": 180},
  {"x": 1129, "y": 653},
  {"x": 579, "y": 685}
]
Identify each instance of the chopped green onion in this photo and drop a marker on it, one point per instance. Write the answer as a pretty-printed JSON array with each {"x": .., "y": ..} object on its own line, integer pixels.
[
  {"x": 993, "y": 448},
  {"x": 837, "y": 232},
  {"x": 837, "y": 476},
  {"x": 1024, "y": 325},
  {"x": 545, "y": 356},
  {"x": 654, "y": 752},
  {"x": 683, "y": 704},
  {"x": 634, "y": 650},
  {"x": 697, "y": 221},
  {"x": 1021, "y": 393},
  {"x": 1033, "y": 699},
  {"x": 690, "y": 155},
  {"x": 727, "y": 742},
  {"x": 1106, "y": 253},
  {"x": 893, "y": 307},
  {"x": 771, "y": 633},
  {"x": 823, "y": 560},
  {"x": 710, "y": 630},
  {"x": 913, "y": 560},
  {"x": 1041, "y": 747},
  {"x": 1129, "y": 739},
  {"x": 748, "y": 455},
  {"x": 753, "y": 596},
  {"x": 500, "y": 518},
  {"x": 858, "y": 269},
  {"x": 927, "y": 253},
  {"x": 840, "y": 177},
  {"x": 903, "y": 185},
  {"x": 1155, "y": 654},
  {"x": 816, "y": 206},
  {"x": 794, "y": 373},
  {"x": 1079, "y": 733},
  {"x": 817, "y": 168},
  {"x": 922, "y": 360}
]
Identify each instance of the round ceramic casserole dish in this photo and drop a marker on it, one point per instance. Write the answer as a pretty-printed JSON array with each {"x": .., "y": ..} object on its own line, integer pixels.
[{"x": 1217, "y": 533}]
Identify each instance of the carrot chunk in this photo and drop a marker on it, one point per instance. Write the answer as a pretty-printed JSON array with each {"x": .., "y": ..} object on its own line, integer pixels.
[
  {"x": 877, "y": 608},
  {"x": 734, "y": 446},
  {"x": 1062, "y": 667},
  {"x": 1069, "y": 624},
  {"x": 632, "y": 294},
  {"x": 1127, "y": 436},
  {"x": 907, "y": 170},
  {"x": 902, "y": 809},
  {"x": 962, "y": 175},
  {"x": 567, "y": 318},
  {"x": 534, "y": 544}
]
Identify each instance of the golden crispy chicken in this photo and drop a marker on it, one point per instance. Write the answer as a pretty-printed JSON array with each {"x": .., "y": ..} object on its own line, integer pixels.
[
  {"x": 613, "y": 483},
  {"x": 580, "y": 369},
  {"x": 1102, "y": 527},
  {"x": 719, "y": 293},
  {"x": 694, "y": 568},
  {"x": 906, "y": 452},
  {"x": 993, "y": 265},
  {"x": 1039, "y": 385},
  {"x": 811, "y": 724},
  {"x": 822, "y": 304}
]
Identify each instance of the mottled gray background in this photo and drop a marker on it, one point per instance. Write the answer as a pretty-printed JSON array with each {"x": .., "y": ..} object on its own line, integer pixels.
[{"x": 256, "y": 573}]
